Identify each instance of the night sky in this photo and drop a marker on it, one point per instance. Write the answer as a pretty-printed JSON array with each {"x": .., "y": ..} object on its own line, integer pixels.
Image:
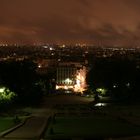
[{"x": 110, "y": 22}]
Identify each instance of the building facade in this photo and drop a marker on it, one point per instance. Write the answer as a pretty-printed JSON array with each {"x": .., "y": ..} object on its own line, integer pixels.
[{"x": 66, "y": 75}]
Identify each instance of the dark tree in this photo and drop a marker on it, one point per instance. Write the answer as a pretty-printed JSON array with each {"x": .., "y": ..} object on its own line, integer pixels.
[
  {"x": 21, "y": 77},
  {"x": 117, "y": 75}
]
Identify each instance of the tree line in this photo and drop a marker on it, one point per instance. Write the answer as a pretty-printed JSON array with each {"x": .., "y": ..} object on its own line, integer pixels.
[{"x": 121, "y": 77}]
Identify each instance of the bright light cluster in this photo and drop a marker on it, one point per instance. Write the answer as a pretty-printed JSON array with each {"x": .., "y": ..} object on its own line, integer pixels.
[
  {"x": 101, "y": 91},
  {"x": 81, "y": 85},
  {"x": 64, "y": 87},
  {"x": 80, "y": 82}
]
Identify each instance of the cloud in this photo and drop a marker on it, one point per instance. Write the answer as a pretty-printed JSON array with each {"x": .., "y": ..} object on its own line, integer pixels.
[{"x": 70, "y": 21}]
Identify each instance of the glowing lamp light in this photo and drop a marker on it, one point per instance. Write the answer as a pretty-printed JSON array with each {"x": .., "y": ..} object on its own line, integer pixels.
[
  {"x": 100, "y": 104},
  {"x": 101, "y": 91},
  {"x": 39, "y": 66},
  {"x": 57, "y": 87},
  {"x": 114, "y": 86},
  {"x": 65, "y": 87},
  {"x": 2, "y": 90},
  {"x": 128, "y": 84},
  {"x": 51, "y": 48},
  {"x": 45, "y": 47},
  {"x": 68, "y": 81}
]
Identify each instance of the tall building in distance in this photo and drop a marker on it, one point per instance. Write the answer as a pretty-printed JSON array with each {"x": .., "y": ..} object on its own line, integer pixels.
[{"x": 69, "y": 76}]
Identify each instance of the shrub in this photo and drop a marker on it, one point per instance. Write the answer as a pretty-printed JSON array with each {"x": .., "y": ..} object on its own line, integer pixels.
[{"x": 6, "y": 96}]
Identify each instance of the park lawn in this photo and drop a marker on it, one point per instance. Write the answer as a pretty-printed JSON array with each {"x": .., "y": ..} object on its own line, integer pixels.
[
  {"x": 132, "y": 110},
  {"x": 94, "y": 127},
  {"x": 6, "y": 123}
]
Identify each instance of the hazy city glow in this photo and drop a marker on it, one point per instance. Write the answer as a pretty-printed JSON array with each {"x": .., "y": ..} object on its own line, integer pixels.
[{"x": 70, "y": 21}]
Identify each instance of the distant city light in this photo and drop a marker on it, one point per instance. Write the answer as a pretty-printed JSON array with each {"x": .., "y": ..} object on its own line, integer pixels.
[
  {"x": 63, "y": 46},
  {"x": 115, "y": 86},
  {"x": 46, "y": 47},
  {"x": 128, "y": 84},
  {"x": 51, "y": 48},
  {"x": 39, "y": 66}
]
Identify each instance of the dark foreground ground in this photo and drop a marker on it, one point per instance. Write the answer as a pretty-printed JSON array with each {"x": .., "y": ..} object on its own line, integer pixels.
[{"x": 69, "y": 117}]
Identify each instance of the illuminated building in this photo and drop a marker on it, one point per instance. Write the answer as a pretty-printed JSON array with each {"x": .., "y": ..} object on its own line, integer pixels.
[
  {"x": 71, "y": 76},
  {"x": 66, "y": 76}
]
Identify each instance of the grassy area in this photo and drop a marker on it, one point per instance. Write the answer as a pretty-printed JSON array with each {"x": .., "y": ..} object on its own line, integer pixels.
[
  {"x": 8, "y": 118},
  {"x": 132, "y": 110},
  {"x": 9, "y": 122},
  {"x": 94, "y": 127},
  {"x": 6, "y": 123}
]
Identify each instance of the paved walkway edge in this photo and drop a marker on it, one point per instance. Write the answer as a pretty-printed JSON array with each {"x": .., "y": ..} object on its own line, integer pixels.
[
  {"x": 45, "y": 127},
  {"x": 2, "y": 134}
]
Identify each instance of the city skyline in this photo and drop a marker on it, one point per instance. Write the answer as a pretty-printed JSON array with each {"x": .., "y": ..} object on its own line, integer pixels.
[{"x": 94, "y": 22}]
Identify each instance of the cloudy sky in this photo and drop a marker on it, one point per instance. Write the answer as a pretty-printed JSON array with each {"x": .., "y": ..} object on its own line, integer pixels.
[{"x": 70, "y": 21}]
